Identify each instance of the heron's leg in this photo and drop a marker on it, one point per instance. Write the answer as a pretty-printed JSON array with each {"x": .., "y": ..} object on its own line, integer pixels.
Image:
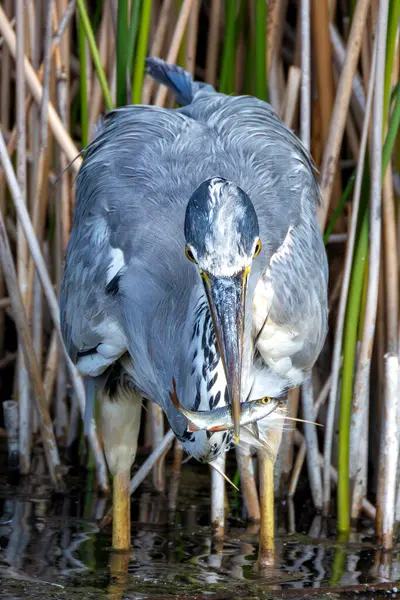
[
  {"x": 218, "y": 495},
  {"x": 248, "y": 483},
  {"x": 157, "y": 419},
  {"x": 120, "y": 423},
  {"x": 121, "y": 511},
  {"x": 266, "y": 551},
  {"x": 175, "y": 478}
]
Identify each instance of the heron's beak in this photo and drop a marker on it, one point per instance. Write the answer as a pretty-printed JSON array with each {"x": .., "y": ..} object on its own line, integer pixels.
[{"x": 226, "y": 298}]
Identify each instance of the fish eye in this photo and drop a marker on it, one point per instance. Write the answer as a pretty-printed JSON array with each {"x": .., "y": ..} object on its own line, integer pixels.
[
  {"x": 189, "y": 254},
  {"x": 257, "y": 249}
]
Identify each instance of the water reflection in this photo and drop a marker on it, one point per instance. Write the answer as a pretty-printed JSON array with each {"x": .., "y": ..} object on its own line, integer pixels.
[{"x": 55, "y": 541}]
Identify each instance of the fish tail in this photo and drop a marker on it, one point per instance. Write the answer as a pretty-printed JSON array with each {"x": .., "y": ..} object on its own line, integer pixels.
[
  {"x": 218, "y": 428},
  {"x": 192, "y": 426},
  {"x": 174, "y": 397}
]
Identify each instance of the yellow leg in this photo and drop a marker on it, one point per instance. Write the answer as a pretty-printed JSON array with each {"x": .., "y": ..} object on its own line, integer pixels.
[
  {"x": 266, "y": 551},
  {"x": 120, "y": 422},
  {"x": 218, "y": 497},
  {"x": 121, "y": 535}
]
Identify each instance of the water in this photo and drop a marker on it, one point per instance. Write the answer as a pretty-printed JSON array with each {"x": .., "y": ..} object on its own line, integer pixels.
[{"x": 51, "y": 548}]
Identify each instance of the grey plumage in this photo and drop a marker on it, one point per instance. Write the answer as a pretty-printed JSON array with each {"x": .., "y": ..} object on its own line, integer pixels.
[{"x": 130, "y": 298}]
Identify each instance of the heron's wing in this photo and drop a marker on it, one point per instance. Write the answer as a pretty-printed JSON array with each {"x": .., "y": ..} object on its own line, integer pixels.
[
  {"x": 110, "y": 218},
  {"x": 89, "y": 313},
  {"x": 290, "y": 307}
]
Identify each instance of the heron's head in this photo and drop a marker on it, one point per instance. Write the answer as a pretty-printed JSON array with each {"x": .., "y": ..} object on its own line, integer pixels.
[{"x": 222, "y": 238}]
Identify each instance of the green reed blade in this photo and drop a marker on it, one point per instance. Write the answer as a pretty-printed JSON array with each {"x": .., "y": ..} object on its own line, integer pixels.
[
  {"x": 351, "y": 8},
  {"x": 182, "y": 49},
  {"x": 227, "y": 76},
  {"x": 349, "y": 354},
  {"x": 390, "y": 140},
  {"x": 393, "y": 22},
  {"x": 133, "y": 28},
  {"x": 392, "y": 133},
  {"x": 338, "y": 210},
  {"x": 95, "y": 53},
  {"x": 122, "y": 51},
  {"x": 83, "y": 84},
  {"x": 354, "y": 320},
  {"x": 144, "y": 29}
]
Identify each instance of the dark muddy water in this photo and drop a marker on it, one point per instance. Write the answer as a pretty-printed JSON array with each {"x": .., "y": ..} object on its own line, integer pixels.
[{"x": 51, "y": 548}]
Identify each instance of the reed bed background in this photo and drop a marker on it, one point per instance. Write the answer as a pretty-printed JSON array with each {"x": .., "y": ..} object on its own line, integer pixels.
[{"x": 330, "y": 69}]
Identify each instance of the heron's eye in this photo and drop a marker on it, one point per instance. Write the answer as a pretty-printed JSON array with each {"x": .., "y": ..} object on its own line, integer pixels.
[
  {"x": 189, "y": 254},
  {"x": 257, "y": 249}
]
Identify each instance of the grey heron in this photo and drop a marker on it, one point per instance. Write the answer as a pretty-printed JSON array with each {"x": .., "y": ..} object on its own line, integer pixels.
[{"x": 195, "y": 257}]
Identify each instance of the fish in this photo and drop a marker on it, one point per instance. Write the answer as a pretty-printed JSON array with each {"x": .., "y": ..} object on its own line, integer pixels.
[{"x": 220, "y": 419}]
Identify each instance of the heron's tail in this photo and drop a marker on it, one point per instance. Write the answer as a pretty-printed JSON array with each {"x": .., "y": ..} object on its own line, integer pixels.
[{"x": 176, "y": 79}]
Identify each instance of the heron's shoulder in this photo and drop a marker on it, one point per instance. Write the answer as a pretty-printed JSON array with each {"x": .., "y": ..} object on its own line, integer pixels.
[
  {"x": 137, "y": 124},
  {"x": 129, "y": 163},
  {"x": 136, "y": 142},
  {"x": 253, "y": 127}
]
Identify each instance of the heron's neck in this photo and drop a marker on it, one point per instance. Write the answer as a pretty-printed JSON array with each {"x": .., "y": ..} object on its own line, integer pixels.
[{"x": 206, "y": 366}]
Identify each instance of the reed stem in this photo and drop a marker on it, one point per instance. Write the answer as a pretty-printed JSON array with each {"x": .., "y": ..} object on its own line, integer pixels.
[
  {"x": 141, "y": 50},
  {"x": 392, "y": 32},
  {"x": 389, "y": 451},
  {"x": 361, "y": 394},
  {"x": 261, "y": 87},
  {"x": 341, "y": 107},
  {"x": 349, "y": 353},
  {"x": 227, "y": 75},
  {"x": 132, "y": 35},
  {"x": 83, "y": 85},
  {"x": 94, "y": 52},
  {"x": 25, "y": 408},
  {"x": 213, "y": 42},
  {"x": 175, "y": 45},
  {"x": 310, "y": 433},
  {"x": 26, "y": 344},
  {"x": 40, "y": 265},
  {"x": 305, "y": 100},
  {"x": 340, "y": 322},
  {"x": 123, "y": 41},
  {"x": 59, "y": 132}
]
